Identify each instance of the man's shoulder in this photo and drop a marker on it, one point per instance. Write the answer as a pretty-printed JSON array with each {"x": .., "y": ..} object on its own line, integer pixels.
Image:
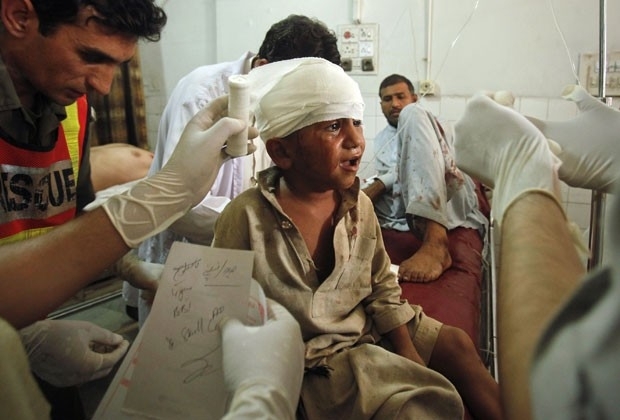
[
  {"x": 244, "y": 200},
  {"x": 387, "y": 131},
  {"x": 202, "y": 74},
  {"x": 199, "y": 87},
  {"x": 206, "y": 82}
]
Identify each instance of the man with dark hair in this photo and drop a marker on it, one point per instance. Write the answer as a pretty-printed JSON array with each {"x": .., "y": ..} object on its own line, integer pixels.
[
  {"x": 403, "y": 96},
  {"x": 295, "y": 36},
  {"x": 418, "y": 188},
  {"x": 138, "y": 18},
  {"x": 298, "y": 36},
  {"x": 50, "y": 58},
  {"x": 52, "y": 54}
]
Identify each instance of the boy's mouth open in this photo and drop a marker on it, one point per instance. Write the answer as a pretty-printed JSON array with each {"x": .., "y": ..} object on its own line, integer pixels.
[{"x": 350, "y": 164}]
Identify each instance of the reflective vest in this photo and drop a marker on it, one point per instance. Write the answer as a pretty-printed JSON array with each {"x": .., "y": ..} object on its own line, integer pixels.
[{"x": 38, "y": 188}]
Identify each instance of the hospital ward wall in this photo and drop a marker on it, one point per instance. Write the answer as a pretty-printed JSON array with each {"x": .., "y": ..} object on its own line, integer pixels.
[{"x": 463, "y": 46}]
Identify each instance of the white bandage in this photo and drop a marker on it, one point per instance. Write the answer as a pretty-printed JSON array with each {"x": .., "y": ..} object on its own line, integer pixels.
[{"x": 291, "y": 94}]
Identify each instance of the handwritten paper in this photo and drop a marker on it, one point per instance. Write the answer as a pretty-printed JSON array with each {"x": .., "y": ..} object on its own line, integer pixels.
[{"x": 177, "y": 372}]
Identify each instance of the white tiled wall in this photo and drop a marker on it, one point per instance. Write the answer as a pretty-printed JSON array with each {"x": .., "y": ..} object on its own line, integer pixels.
[{"x": 576, "y": 201}]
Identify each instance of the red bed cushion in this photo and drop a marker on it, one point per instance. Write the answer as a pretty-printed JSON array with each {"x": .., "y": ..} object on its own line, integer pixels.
[{"x": 454, "y": 298}]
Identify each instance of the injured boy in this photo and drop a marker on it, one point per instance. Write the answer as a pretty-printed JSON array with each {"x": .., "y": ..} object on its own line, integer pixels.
[{"x": 319, "y": 252}]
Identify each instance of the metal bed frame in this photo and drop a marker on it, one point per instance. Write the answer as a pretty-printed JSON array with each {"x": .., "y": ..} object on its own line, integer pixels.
[{"x": 488, "y": 330}]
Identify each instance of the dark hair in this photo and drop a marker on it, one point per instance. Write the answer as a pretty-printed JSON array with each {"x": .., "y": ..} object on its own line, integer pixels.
[
  {"x": 394, "y": 79},
  {"x": 140, "y": 18},
  {"x": 299, "y": 36}
]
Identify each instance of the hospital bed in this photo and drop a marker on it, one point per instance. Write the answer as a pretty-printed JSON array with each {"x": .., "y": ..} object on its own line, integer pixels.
[{"x": 463, "y": 294}]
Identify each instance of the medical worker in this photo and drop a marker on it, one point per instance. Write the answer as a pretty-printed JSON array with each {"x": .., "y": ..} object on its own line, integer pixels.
[
  {"x": 53, "y": 53},
  {"x": 557, "y": 330}
]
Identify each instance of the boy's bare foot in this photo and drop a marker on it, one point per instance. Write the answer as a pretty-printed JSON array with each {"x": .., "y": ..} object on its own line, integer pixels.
[{"x": 427, "y": 264}]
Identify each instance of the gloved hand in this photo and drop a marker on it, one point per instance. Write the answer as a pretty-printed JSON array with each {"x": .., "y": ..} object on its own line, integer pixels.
[
  {"x": 197, "y": 228},
  {"x": 153, "y": 204},
  {"x": 502, "y": 97},
  {"x": 66, "y": 353},
  {"x": 277, "y": 354},
  {"x": 587, "y": 144},
  {"x": 198, "y": 224},
  {"x": 498, "y": 146},
  {"x": 140, "y": 274}
]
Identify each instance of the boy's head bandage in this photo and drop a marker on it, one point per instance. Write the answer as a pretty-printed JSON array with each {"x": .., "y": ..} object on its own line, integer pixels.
[{"x": 292, "y": 94}]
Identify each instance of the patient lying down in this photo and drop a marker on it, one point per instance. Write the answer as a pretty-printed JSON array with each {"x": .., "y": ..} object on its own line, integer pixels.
[{"x": 118, "y": 163}]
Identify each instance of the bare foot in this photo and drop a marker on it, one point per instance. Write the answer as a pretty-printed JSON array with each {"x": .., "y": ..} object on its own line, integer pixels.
[{"x": 427, "y": 264}]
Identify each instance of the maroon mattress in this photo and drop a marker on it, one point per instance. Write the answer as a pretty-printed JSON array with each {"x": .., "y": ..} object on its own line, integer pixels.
[{"x": 455, "y": 298}]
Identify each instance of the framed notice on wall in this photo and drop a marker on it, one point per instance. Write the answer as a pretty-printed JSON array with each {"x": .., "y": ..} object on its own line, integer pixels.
[{"x": 589, "y": 73}]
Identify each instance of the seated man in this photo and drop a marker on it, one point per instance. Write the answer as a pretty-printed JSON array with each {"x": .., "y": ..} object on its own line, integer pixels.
[{"x": 418, "y": 189}]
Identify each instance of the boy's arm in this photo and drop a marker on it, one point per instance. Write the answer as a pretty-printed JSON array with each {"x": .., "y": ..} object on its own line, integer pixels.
[{"x": 401, "y": 341}]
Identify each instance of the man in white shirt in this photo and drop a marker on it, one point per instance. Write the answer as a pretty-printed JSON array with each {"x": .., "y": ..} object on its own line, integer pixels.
[{"x": 418, "y": 188}]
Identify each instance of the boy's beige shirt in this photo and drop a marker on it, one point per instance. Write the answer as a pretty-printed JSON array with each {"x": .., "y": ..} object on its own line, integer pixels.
[{"x": 357, "y": 302}]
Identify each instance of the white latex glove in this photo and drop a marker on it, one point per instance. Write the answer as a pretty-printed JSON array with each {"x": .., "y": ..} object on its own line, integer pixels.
[
  {"x": 198, "y": 224},
  {"x": 272, "y": 355},
  {"x": 502, "y": 97},
  {"x": 66, "y": 353},
  {"x": 195, "y": 227},
  {"x": 589, "y": 144},
  {"x": 502, "y": 149},
  {"x": 140, "y": 274},
  {"x": 153, "y": 204}
]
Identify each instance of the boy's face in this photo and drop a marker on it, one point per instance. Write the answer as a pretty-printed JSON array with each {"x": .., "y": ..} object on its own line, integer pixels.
[{"x": 328, "y": 154}]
